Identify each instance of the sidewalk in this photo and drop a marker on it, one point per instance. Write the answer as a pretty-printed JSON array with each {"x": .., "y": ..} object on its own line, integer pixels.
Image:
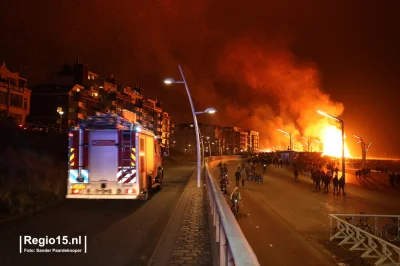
[{"x": 186, "y": 239}]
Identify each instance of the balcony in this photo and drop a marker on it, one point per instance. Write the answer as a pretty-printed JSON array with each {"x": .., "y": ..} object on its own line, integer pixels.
[
  {"x": 77, "y": 104},
  {"x": 73, "y": 116},
  {"x": 11, "y": 87}
]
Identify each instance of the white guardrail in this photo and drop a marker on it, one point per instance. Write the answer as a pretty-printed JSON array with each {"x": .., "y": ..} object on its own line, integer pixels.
[
  {"x": 233, "y": 248},
  {"x": 354, "y": 230}
]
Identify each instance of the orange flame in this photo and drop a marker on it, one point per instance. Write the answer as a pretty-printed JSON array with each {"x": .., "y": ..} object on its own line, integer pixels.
[{"x": 331, "y": 137}]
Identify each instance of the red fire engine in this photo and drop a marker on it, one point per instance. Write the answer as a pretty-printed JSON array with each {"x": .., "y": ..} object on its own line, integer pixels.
[{"x": 113, "y": 158}]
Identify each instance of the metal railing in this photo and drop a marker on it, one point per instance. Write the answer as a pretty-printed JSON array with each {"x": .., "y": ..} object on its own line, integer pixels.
[
  {"x": 370, "y": 244},
  {"x": 233, "y": 248}
]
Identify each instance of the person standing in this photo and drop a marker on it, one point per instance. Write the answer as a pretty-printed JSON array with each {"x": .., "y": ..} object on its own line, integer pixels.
[
  {"x": 318, "y": 182},
  {"x": 237, "y": 176},
  {"x": 341, "y": 185},
  {"x": 243, "y": 176},
  {"x": 336, "y": 185},
  {"x": 296, "y": 175}
]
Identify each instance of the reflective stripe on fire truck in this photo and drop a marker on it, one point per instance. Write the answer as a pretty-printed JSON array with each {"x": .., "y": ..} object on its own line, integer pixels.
[
  {"x": 126, "y": 176},
  {"x": 133, "y": 157},
  {"x": 73, "y": 175},
  {"x": 72, "y": 157},
  {"x": 85, "y": 175}
]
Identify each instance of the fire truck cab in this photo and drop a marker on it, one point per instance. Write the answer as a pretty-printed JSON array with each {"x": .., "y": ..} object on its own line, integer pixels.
[{"x": 113, "y": 158}]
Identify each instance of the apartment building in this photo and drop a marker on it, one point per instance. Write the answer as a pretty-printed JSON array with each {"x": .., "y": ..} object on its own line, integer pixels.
[
  {"x": 216, "y": 139},
  {"x": 15, "y": 97},
  {"x": 80, "y": 92},
  {"x": 183, "y": 138},
  {"x": 253, "y": 141}
]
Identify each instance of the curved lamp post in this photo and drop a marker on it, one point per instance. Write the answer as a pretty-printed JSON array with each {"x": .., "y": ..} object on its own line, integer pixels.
[
  {"x": 343, "y": 158},
  {"x": 290, "y": 137},
  {"x": 364, "y": 149},
  {"x": 196, "y": 125}
]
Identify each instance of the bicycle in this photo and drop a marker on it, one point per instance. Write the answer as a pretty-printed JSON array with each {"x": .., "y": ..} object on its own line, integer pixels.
[
  {"x": 363, "y": 225},
  {"x": 372, "y": 229},
  {"x": 392, "y": 231}
]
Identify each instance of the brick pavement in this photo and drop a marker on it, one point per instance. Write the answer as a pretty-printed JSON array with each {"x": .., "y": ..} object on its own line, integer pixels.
[{"x": 193, "y": 243}]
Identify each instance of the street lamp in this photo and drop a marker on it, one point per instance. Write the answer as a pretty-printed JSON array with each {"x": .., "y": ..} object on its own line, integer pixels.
[
  {"x": 290, "y": 137},
  {"x": 364, "y": 149},
  {"x": 343, "y": 158},
  {"x": 308, "y": 143},
  {"x": 207, "y": 111},
  {"x": 61, "y": 114},
  {"x": 197, "y": 132}
]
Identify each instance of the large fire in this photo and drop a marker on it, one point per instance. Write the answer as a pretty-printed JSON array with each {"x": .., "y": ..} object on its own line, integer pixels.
[{"x": 331, "y": 137}]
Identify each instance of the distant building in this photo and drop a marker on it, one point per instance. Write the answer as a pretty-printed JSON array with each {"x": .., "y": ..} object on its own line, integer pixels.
[
  {"x": 167, "y": 128},
  {"x": 253, "y": 141},
  {"x": 183, "y": 138},
  {"x": 15, "y": 97},
  {"x": 155, "y": 119},
  {"x": 217, "y": 139},
  {"x": 80, "y": 92}
]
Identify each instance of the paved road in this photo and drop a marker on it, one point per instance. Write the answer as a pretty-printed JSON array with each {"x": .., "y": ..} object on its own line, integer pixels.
[
  {"x": 286, "y": 223},
  {"x": 119, "y": 232}
]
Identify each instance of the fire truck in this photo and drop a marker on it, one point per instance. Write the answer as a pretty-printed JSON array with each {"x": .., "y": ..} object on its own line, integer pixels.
[{"x": 111, "y": 157}]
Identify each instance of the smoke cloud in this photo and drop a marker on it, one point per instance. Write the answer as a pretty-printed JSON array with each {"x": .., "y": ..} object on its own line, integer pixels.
[
  {"x": 278, "y": 90},
  {"x": 254, "y": 82}
]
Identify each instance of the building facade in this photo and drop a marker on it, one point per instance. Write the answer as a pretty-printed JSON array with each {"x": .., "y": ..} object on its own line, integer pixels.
[
  {"x": 253, "y": 141},
  {"x": 15, "y": 97},
  {"x": 216, "y": 140},
  {"x": 79, "y": 93}
]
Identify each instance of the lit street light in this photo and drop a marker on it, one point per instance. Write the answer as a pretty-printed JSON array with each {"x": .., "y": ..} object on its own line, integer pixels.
[
  {"x": 197, "y": 132},
  {"x": 364, "y": 149},
  {"x": 290, "y": 137},
  {"x": 61, "y": 112},
  {"x": 207, "y": 111},
  {"x": 343, "y": 158},
  {"x": 290, "y": 146},
  {"x": 308, "y": 143}
]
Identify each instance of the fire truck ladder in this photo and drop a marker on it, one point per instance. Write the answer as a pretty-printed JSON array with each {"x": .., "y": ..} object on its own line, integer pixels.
[{"x": 126, "y": 150}]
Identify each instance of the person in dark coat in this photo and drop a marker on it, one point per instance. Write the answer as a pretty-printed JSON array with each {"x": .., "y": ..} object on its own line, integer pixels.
[{"x": 341, "y": 185}]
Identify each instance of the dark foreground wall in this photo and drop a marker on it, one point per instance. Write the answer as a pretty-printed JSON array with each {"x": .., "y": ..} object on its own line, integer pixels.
[{"x": 33, "y": 168}]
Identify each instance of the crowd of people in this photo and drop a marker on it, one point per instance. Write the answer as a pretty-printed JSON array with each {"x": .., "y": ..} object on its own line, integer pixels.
[
  {"x": 394, "y": 179},
  {"x": 323, "y": 170}
]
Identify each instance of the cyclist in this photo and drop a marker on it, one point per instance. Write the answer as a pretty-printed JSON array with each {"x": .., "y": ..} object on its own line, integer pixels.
[
  {"x": 225, "y": 168},
  {"x": 223, "y": 183},
  {"x": 235, "y": 195}
]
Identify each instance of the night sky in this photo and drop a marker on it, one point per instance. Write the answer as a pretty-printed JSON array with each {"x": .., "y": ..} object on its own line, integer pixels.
[{"x": 262, "y": 64}]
